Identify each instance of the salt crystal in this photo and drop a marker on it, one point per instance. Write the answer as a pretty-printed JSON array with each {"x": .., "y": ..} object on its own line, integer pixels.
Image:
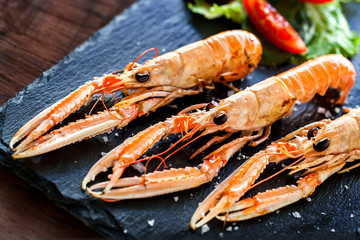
[
  {"x": 332, "y": 230},
  {"x": 358, "y": 230},
  {"x": 103, "y": 154},
  {"x": 230, "y": 92},
  {"x": 351, "y": 215},
  {"x": 204, "y": 228},
  {"x": 296, "y": 214},
  {"x": 321, "y": 110},
  {"x": 191, "y": 195},
  {"x": 105, "y": 138},
  {"x": 236, "y": 228},
  {"x": 221, "y": 235},
  {"x": 308, "y": 199},
  {"x": 277, "y": 212},
  {"x": 116, "y": 134},
  {"x": 322, "y": 213},
  {"x": 229, "y": 229},
  {"x": 328, "y": 114},
  {"x": 151, "y": 222},
  {"x": 346, "y": 186},
  {"x": 172, "y": 106},
  {"x": 125, "y": 231},
  {"x": 337, "y": 110},
  {"x": 139, "y": 167},
  {"x": 176, "y": 198},
  {"x": 163, "y": 50}
]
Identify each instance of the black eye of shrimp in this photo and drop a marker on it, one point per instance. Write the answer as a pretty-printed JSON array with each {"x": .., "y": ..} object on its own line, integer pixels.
[
  {"x": 220, "y": 119},
  {"x": 142, "y": 77},
  {"x": 322, "y": 145},
  {"x": 312, "y": 132},
  {"x": 211, "y": 105}
]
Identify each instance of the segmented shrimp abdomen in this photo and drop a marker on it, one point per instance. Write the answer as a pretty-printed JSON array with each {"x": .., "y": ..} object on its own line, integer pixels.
[
  {"x": 315, "y": 76},
  {"x": 239, "y": 52},
  {"x": 234, "y": 52}
]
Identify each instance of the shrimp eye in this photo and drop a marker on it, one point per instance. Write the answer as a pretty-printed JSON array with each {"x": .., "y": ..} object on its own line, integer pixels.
[
  {"x": 322, "y": 145},
  {"x": 142, "y": 77},
  {"x": 220, "y": 119},
  {"x": 211, "y": 105},
  {"x": 312, "y": 132}
]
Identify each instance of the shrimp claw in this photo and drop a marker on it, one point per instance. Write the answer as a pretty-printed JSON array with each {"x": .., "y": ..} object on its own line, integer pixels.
[{"x": 272, "y": 200}]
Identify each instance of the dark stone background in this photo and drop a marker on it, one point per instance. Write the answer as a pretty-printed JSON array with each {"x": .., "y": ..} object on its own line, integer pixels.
[{"x": 167, "y": 26}]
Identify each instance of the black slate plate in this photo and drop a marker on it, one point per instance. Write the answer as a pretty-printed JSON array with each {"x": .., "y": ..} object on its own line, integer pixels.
[{"x": 333, "y": 211}]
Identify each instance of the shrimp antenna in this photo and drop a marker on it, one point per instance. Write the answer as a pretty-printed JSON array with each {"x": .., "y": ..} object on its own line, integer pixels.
[{"x": 149, "y": 50}]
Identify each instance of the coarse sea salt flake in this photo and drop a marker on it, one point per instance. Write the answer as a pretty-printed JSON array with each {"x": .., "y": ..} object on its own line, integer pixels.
[
  {"x": 230, "y": 92},
  {"x": 105, "y": 138},
  {"x": 151, "y": 222},
  {"x": 139, "y": 167},
  {"x": 205, "y": 228},
  {"x": 176, "y": 198},
  {"x": 296, "y": 214},
  {"x": 328, "y": 114},
  {"x": 321, "y": 110}
]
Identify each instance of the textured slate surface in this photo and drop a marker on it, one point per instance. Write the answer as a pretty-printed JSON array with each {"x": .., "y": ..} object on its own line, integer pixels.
[{"x": 333, "y": 211}]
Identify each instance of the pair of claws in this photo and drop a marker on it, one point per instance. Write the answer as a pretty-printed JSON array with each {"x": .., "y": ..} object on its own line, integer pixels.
[{"x": 320, "y": 150}]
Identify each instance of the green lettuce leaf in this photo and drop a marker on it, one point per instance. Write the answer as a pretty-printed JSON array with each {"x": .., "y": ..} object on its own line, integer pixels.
[
  {"x": 233, "y": 10},
  {"x": 328, "y": 32},
  {"x": 323, "y": 27}
]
